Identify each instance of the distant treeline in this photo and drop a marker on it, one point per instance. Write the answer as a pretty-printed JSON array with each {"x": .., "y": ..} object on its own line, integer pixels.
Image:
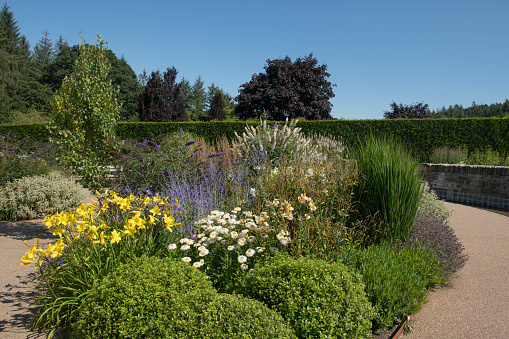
[{"x": 474, "y": 111}]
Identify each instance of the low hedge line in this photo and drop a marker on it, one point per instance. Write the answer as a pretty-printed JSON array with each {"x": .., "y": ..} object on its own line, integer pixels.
[{"x": 421, "y": 136}]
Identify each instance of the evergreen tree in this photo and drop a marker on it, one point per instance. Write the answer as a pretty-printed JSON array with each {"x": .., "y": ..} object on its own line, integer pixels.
[
  {"x": 197, "y": 101},
  {"x": 216, "y": 111},
  {"x": 14, "y": 54},
  {"x": 44, "y": 53},
  {"x": 228, "y": 102},
  {"x": 10, "y": 38},
  {"x": 60, "y": 44},
  {"x": 162, "y": 98},
  {"x": 5, "y": 108}
]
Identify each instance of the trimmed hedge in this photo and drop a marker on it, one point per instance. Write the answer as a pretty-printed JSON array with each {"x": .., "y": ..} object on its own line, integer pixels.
[{"x": 421, "y": 136}]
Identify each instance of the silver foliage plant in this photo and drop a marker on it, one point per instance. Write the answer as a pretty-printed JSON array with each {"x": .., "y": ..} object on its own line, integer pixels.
[
  {"x": 432, "y": 204},
  {"x": 285, "y": 141},
  {"x": 38, "y": 196}
]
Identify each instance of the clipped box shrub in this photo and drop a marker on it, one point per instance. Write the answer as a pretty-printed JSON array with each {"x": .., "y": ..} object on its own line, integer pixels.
[
  {"x": 38, "y": 196},
  {"x": 166, "y": 298},
  {"x": 396, "y": 278},
  {"x": 234, "y": 316},
  {"x": 318, "y": 299}
]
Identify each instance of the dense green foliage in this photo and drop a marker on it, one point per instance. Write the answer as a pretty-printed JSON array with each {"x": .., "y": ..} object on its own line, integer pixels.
[
  {"x": 479, "y": 111},
  {"x": 120, "y": 74},
  {"x": 391, "y": 189},
  {"x": 460, "y": 155},
  {"x": 38, "y": 196},
  {"x": 24, "y": 158},
  {"x": 154, "y": 298},
  {"x": 420, "y": 136},
  {"x": 147, "y": 297},
  {"x": 318, "y": 299},
  {"x": 87, "y": 110},
  {"x": 396, "y": 279}
]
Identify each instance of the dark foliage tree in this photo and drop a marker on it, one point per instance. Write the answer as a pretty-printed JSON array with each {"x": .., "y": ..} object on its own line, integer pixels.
[
  {"x": 228, "y": 102},
  {"x": 121, "y": 74},
  {"x": 287, "y": 90},
  {"x": 162, "y": 98},
  {"x": 479, "y": 111},
  {"x": 216, "y": 111},
  {"x": 414, "y": 111}
]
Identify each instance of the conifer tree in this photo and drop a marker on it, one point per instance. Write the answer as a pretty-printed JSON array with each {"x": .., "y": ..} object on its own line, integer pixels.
[{"x": 216, "y": 111}]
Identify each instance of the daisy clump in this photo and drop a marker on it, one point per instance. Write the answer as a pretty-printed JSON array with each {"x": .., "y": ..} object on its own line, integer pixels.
[{"x": 227, "y": 245}]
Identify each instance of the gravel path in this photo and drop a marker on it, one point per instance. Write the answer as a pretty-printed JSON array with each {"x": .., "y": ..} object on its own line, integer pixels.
[{"x": 475, "y": 302}]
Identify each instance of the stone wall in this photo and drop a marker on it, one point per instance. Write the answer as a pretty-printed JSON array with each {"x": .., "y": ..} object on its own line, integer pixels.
[{"x": 486, "y": 186}]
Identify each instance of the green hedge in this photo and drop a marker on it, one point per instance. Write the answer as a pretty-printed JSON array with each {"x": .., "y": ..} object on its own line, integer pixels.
[{"x": 421, "y": 136}]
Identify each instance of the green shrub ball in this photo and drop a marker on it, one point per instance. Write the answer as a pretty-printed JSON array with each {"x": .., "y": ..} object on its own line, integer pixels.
[
  {"x": 318, "y": 299},
  {"x": 166, "y": 298}
]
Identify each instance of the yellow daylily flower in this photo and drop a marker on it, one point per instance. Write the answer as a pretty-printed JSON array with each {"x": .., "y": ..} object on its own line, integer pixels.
[{"x": 115, "y": 237}]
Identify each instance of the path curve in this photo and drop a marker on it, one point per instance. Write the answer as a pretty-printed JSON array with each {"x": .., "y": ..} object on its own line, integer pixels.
[{"x": 475, "y": 302}]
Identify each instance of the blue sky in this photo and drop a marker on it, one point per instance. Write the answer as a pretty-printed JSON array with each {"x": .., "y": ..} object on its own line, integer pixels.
[{"x": 439, "y": 52}]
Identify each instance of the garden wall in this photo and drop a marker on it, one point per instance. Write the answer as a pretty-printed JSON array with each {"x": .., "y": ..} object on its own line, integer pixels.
[{"x": 486, "y": 186}]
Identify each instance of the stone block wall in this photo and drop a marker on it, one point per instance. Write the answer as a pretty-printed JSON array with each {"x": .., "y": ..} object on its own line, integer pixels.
[{"x": 486, "y": 186}]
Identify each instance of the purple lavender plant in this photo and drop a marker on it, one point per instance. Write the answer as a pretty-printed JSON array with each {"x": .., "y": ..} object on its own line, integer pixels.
[{"x": 438, "y": 237}]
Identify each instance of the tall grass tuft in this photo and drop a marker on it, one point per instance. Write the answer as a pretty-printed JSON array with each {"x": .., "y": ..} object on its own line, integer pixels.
[
  {"x": 449, "y": 155},
  {"x": 392, "y": 186}
]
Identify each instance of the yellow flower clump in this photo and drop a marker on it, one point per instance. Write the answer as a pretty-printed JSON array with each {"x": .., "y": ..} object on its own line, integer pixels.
[{"x": 88, "y": 221}]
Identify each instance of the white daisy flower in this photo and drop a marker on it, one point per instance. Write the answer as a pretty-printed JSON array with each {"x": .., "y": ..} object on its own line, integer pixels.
[
  {"x": 172, "y": 246},
  {"x": 230, "y": 248},
  {"x": 251, "y": 238},
  {"x": 184, "y": 247},
  {"x": 250, "y": 252},
  {"x": 186, "y": 259},
  {"x": 244, "y": 267},
  {"x": 203, "y": 253},
  {"x": 242, "y": 259},
  {"x": 259, "y": 249},
  {"x": 241, "y": 241},
  {"x": 234, "y": 235},
  {"x": 196, "y": 264}
]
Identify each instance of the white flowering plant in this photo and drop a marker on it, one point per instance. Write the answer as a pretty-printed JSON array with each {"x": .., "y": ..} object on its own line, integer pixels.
[{"x": 229, "y": 244}]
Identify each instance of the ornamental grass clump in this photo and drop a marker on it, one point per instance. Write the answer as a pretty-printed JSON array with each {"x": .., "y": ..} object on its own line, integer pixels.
[
  {"x": 275, "y": 142},
  {"x": 392, "y": 187},
  {"x": 318, "y": 299},
  {"x": 37, "y": 196},
  {"x": 93, "y": 240}
]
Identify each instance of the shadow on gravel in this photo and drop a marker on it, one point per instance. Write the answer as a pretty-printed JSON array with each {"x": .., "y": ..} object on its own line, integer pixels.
[
  {"x": 25, "y": 230},
  {"x": 20, "y": 297}
]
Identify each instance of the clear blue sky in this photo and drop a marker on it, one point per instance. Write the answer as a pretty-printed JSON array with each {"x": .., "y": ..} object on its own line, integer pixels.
[{"x": 439, "y": 52}]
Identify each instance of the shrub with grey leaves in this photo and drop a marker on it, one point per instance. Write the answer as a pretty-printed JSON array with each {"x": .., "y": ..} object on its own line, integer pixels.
[{"x": 39, "y": 196}]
